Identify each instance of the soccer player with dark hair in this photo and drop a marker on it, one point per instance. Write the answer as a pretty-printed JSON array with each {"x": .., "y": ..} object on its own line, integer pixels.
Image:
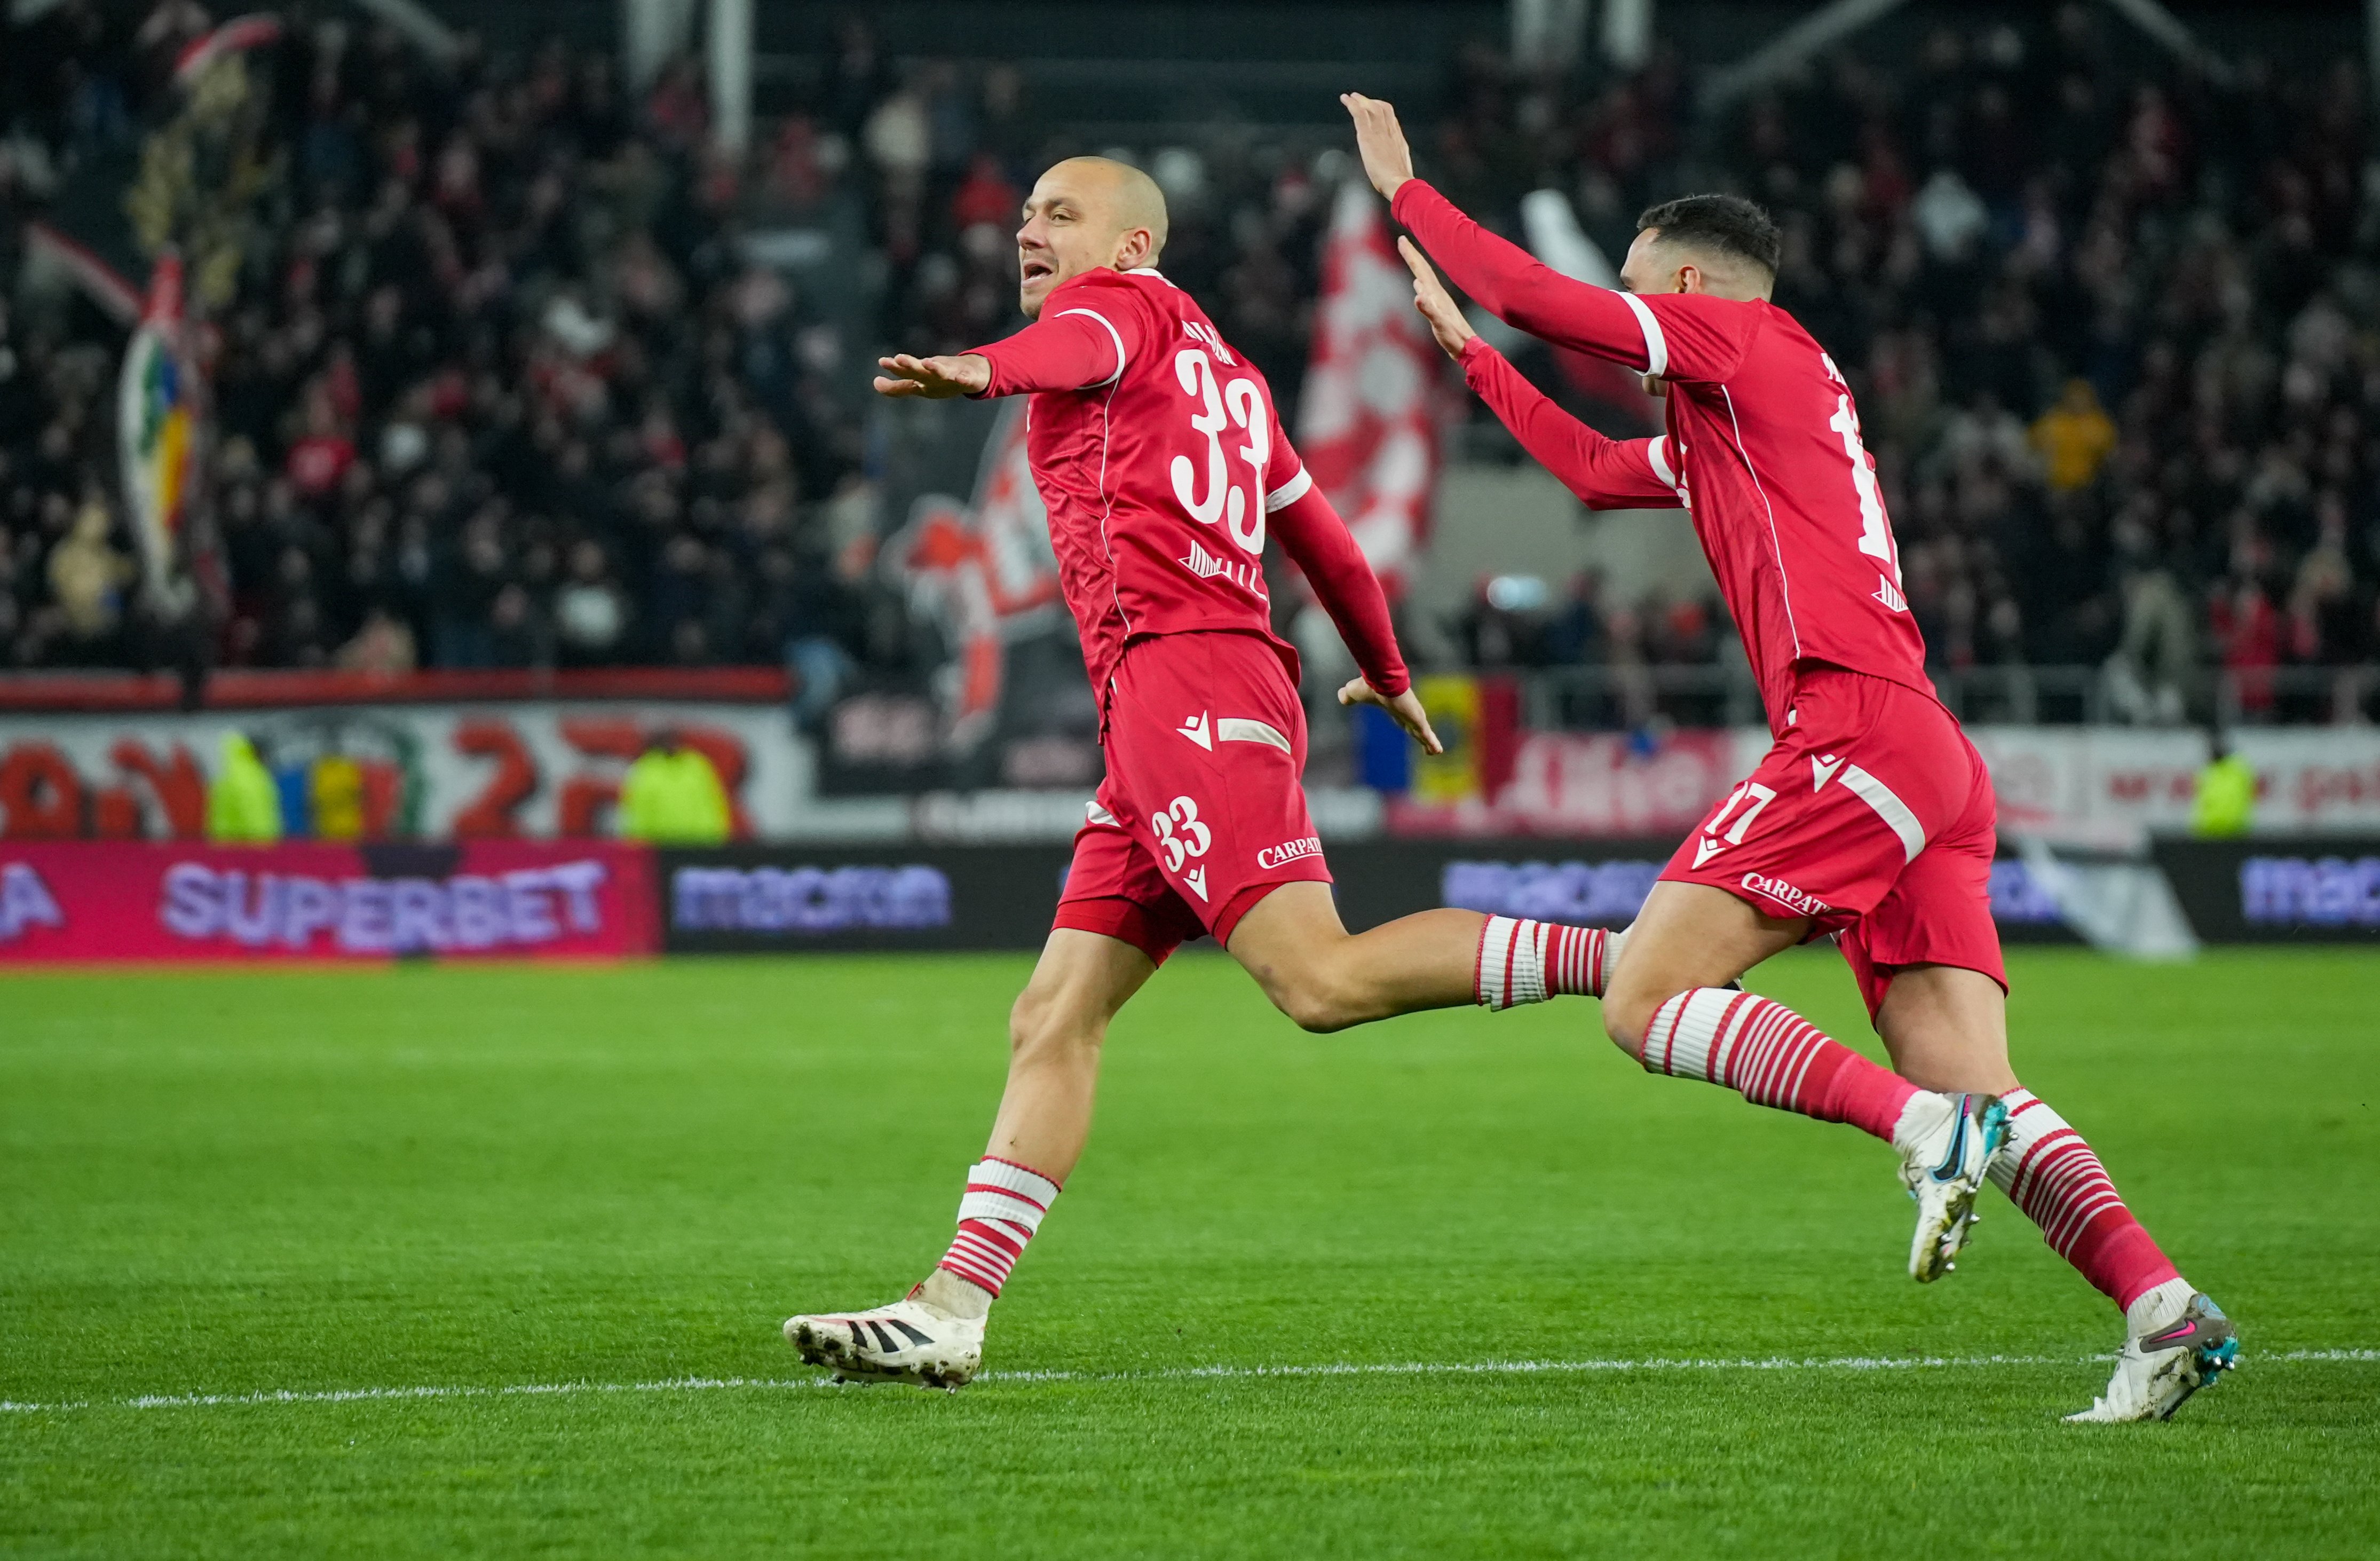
[
  {"x": 1872, "y": 818},
  {"x": 1159, "y": 456}
]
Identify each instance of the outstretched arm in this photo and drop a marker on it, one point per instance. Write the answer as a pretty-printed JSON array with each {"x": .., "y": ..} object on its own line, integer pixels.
[
  {"x": 1605, "y": 474},
  {"x": 1068, "y": 350}
]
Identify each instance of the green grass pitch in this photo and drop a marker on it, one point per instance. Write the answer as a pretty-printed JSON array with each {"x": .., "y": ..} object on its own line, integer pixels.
[{"x": 469, "y": 1180}]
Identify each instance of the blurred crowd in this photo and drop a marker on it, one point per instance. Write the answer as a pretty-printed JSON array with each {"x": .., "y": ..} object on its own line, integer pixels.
[{"x": 524, "y": 372}]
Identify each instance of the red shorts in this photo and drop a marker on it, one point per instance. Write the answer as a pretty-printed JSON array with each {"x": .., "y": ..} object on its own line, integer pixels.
[
  {"x": 1202, "y": 813},
  {"x": 1873, "y": 816}
]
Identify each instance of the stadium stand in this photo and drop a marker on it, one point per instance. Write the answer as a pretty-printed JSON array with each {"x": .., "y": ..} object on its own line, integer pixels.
[{"x": 514, "y": 380}]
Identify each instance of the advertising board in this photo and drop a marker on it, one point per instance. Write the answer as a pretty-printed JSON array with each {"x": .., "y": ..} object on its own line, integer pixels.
[
  {"x": 2307, "y": 888},
  {"x": 87, "y": 901}
]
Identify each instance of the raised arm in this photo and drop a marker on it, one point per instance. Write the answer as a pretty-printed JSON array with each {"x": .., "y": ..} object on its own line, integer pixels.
[
  {"x": 1672, "y": 336},
  {"x": 1517, "y": 287},
  {"x": 1606, "y": 473}
]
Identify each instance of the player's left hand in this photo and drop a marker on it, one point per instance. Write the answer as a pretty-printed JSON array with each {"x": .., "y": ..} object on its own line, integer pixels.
[
  {"x": 937, "y": 379},
  {"x": 1388, "y": 161},
  {"x": 1405, "y": 709}
]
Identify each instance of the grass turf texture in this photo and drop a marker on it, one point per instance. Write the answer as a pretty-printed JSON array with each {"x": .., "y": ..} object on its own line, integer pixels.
[{"x": 229, "y": 1183}]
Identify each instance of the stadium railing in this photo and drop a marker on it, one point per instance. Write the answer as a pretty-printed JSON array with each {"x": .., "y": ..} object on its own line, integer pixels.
[{"x": 1607, "y": 697}]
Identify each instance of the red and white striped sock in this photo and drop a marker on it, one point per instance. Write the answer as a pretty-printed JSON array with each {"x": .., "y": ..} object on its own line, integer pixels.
[
  {"x": 2053, "y": 1176},
  {"x": 1001, "y": 1209},
  {"x": 1772, "y": 1057},
  {"x": 1521, "y": 961}
]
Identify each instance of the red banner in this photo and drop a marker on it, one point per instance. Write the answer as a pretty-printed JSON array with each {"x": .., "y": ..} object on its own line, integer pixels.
[
  {"x": 82, "y": 901},
  {"x": 1375, "y": 392},
  {"x": 1594, "y": 784}
]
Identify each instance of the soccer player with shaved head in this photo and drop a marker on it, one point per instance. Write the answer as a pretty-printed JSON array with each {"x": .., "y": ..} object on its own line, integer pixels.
[
  {"x": 1872, "y": 818},
  {"x": 1159, "y": 455}
]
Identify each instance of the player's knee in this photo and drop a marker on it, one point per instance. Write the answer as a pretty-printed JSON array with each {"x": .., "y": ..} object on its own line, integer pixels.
[
  {"x": 1045, "y": 1025},
  {"x": 1627, "y": 1011},
  {"x": 1318, "y": 1001}
]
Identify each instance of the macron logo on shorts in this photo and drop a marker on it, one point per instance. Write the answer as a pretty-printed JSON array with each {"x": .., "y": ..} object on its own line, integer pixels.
[
  {"x": 1287, "y": 852},
  {"x": 1798, "y": 901}
]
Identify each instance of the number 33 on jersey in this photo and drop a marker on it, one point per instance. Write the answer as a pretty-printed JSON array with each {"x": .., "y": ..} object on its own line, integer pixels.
[{"x": 1159, "y": 479}]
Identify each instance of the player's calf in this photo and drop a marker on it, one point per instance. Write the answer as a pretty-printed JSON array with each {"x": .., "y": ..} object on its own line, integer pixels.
[
  {"x": 1769, "y": 1054},
  {"x": 1525, "y": 961}
]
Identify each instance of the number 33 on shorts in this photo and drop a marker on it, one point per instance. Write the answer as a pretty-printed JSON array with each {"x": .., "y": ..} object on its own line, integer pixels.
[{"x": 1180, "y": 832}]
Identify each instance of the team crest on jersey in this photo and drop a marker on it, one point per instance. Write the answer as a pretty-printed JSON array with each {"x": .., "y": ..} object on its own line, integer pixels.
[{"x": 1206, "y": 566}]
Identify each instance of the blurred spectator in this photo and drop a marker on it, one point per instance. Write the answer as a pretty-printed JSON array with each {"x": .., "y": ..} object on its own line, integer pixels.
[
  {"x": 87, "y": 577},
  {"x": 2073, "y": 437},
  {"x": 382, "y": 647},
  {"x": 243, "y": 802},
  {"x": 2224, "y": 804},
  {"x": 670, "y": 795},
  {"x": 335, "y": 797}
]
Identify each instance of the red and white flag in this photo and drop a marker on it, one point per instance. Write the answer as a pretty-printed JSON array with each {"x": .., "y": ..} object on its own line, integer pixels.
[
  {"x": 985, "y": 571},
  {"x": 1375, "y": 396}
]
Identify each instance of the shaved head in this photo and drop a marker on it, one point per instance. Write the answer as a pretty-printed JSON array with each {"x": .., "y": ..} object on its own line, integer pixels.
[
  {"x": 1083, "y": 213},
  {"x": 1130, "y": 198}
]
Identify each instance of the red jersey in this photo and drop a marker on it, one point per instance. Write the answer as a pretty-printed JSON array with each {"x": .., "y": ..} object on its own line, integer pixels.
[
  {"x": 1763, "y": 450},
  {"x": 1161, "y": 459}
]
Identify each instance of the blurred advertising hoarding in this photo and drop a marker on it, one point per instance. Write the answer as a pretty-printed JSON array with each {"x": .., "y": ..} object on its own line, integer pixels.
[
  {"x": 471, "y": 771},
  {"x": 2113, "y": 787},
  {"x": 532, "y": 769},
  {"x": 2317, "y": 888},
  {"x": 780, "y": 898},
  {"x": 92, "y": 900}
]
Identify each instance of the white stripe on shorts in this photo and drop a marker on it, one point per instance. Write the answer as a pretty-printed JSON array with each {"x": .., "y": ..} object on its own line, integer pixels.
[{"x": 1890, "y": 808}]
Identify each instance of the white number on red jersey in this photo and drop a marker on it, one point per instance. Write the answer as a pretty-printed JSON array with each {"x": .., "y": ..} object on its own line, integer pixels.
[
  {"x": 1214, "y": 408},
  {"x": 1875, "y": 531}
]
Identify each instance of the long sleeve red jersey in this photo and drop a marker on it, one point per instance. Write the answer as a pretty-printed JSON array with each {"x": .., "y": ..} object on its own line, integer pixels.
[
  {"x": 1762, "y": 447},
  {"x": 1161, "y": 459}
]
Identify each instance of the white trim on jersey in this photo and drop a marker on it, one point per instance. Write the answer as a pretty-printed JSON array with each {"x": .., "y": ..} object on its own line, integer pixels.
[
  {"x": 1289, "y": 492},
  {"x": 1151, "y": 271},
  {"x": 1114, "y": 334},
  {"x": 1660, "y": 462},
  {"x": 1784, "y": 582},
  {"x": 1657, "y": 346},
  {"x": 1890, "y": 808}
]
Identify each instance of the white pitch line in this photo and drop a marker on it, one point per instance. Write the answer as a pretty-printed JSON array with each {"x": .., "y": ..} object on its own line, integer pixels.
[{"x": 1176, "y": 1374}]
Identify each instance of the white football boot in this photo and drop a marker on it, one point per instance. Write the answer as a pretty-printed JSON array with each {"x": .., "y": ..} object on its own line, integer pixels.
[
  {"x": 1946, "y": 1145},
  {"x": 2176, "y": 1341},
  {"x": 908, "y": 1341}
]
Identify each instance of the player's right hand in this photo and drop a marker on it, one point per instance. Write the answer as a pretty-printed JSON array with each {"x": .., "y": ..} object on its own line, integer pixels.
[
  {"x": 1437, "y": 306},
  {"x": 937, "y": 379},
  {"x": 1388, "y": 161}
]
